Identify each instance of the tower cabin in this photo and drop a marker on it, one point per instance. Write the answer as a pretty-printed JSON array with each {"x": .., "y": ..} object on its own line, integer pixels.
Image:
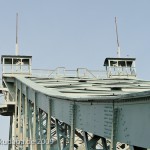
[
  {"x": 16, "y": 64},
  {"x": 120, "y": 67}
]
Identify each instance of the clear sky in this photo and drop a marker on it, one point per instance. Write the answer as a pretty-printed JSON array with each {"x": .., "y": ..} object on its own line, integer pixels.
[{"x": 75, "y": 33}]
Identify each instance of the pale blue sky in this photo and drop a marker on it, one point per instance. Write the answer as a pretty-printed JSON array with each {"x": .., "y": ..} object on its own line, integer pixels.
[{"x": 76, "y": 33}]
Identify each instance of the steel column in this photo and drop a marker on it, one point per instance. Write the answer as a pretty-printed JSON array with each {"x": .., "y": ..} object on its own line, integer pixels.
[
  {"x": 72, "y": 134},
  {"x": 58, "y": 137},
  {"x": 35, "y": 124},
  {"x": 104, "y": 143},
  {"x": 48, "y": 146}
]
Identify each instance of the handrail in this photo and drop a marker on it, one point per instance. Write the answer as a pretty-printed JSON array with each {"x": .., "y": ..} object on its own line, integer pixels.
[
  {"x": 62, "y": 72},
  {"x": 56, "y": 71},
  {"x": 87, "y": 71}
]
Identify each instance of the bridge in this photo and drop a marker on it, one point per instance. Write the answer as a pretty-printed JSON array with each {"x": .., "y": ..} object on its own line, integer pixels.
[{"x": 75, "y": 109}]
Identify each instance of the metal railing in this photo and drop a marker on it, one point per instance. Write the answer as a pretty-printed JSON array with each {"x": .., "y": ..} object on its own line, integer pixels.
[
  {"x": 16, "y": 69},
  {"x": 62, "y": 72},
  {"x": 122, "y": 71}
]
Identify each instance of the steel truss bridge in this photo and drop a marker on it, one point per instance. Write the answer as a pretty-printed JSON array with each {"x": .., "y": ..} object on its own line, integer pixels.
[{"x": 60, "y": 111}]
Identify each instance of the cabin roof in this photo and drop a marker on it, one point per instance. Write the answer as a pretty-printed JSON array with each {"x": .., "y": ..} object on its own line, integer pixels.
[
  {"x": 15, "y": 57},
  {"x": 118, "y": 59}
]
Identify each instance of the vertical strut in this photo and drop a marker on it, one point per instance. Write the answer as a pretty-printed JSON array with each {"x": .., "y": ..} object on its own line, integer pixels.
[
  {"x": 15, "y": 115},
  {"x": 86, "y": 140},
  {"x": 30, "y": 108},
  {"x": 35, "y": 123},
  {"x": 72, "y": 134},
  {"x": 41, "y": 128},
  {"x": 25, "y": 118},
  {"x": 104, "y": 142},
  {"x": 19, "y": 114},
  {"x": 24, "y": 122},
  {"x": 65, "y": 133},
  {"x": 48, "y": 146},
  {"x": 10, "y": 134},
  {"x": 114, "y": 128},
  {"x": 58, "y": 137}
]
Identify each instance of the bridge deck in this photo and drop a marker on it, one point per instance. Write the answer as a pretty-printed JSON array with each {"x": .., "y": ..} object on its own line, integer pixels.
[{"x": 87, "y": 88}]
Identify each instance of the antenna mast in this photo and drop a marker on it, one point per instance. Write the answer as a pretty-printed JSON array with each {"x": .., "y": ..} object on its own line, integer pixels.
[
  {"x": 118, "y": 48},
  {"x": 17, "y": 46}
]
